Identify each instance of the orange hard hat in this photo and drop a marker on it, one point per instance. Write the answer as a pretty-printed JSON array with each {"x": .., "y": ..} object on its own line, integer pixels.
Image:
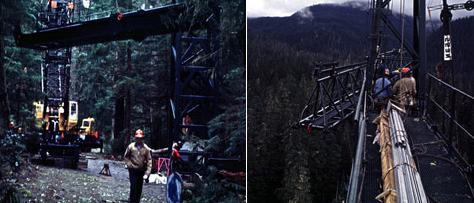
[
  {"x": 139, "y": 134},
  {"x": 405, "y": 70}
]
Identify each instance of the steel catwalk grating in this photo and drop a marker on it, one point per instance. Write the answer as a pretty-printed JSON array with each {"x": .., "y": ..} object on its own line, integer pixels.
[{"x": 442, "y": 179}]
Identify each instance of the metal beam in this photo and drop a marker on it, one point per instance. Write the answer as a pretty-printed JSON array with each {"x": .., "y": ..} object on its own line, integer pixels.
[
  {"x": 385, "y": 3},
  {"x": 397, "y": 34},
  {"x": 419, "y": 43},
  {"x": 135, "y": 25}
]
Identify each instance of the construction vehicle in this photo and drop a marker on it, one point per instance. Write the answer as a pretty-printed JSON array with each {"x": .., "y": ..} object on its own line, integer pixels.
[
  {"x": 70, "y": 123},
  {"x": 61, "y": 132},
  {"x": 88, "y": 136}
]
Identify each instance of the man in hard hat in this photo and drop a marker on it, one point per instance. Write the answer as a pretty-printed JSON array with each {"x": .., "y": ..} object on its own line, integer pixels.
[
  {"x": 175, "y": 182},
  {"x": 405, "y": 90},
  {"x": 176, "y": 161},
  {"x": 138, "y": 160},
  {"x": 382, "y": 89}
]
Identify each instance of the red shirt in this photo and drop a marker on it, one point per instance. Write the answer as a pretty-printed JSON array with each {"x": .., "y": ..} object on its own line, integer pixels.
[{"x": 175, "y": 153}]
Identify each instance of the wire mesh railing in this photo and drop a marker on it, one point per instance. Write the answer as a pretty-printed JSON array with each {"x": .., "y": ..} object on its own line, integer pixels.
[{"x": 449, "y": 111}]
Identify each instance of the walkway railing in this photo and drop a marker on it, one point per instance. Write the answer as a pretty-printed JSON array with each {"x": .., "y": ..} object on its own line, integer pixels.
[
  {"x": 358, "y": 171},
  {"x": 449, "y": 110}
]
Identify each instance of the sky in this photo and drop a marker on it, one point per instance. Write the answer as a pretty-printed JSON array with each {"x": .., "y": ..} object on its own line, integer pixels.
[{"x": 260, "y": 8}]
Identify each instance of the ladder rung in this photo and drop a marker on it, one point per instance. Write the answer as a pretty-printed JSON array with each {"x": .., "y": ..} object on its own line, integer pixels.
[
  {"x": 194, "y": 38},
  {"x": 197, "y": 97},
  {"x": 196, "y": 68},
  {"x": 193, "y": 126}
]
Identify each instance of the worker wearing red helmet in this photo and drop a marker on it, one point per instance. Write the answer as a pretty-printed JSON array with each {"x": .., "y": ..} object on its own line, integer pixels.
[
  {"x": 139, "y": 162},
  {"x": 405, "y": 90},
  {"x": 175, "y": 157}
]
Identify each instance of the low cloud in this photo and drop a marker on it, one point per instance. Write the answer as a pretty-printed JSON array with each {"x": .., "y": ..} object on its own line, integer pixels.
[
  {"x": 260, "y": 8},
  {"x": 306, "y": 13}
]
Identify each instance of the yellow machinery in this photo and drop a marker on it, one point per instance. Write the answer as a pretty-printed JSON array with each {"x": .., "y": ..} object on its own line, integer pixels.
[
  {"x": 86, "y": 136},
  {"x": 62, "y": 126},
  {"x": 39, "y": 107},
  {"x": 87, "y": 128}
]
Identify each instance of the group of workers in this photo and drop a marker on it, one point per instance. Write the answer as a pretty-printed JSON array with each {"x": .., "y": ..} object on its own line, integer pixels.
[
  {"x": 139, "y": 163},
  {"x": 403, "y": 92}
]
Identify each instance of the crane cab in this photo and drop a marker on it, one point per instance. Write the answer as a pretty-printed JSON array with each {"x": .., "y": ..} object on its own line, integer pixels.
[{"x": 87, "y": 128}]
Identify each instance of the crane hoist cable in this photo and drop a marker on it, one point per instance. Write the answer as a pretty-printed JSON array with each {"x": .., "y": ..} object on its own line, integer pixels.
[
  {"x": 402, "y": 13},
  {"x": 429, "y": 16}
]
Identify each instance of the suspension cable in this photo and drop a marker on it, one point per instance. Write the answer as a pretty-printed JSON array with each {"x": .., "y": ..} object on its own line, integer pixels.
[{"x": 402, "y": 13}]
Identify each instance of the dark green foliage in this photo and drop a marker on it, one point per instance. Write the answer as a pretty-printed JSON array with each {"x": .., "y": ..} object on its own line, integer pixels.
[
  {"x": 16, "y": 76},
  {"x": 9, "y": 193},
  {"x": 228, "y": 128},
  {"x": 463, "y": 49},
  {"x": 297, "y": 187},
  {"x": 219, "y": 190},
  {"x": 281, "y": 54},
  {"x": 11, "y": 147},
  {"x": 288, "y": 165},
  {"x": 126, "y": 85},
  {"x": 277, "y": 78},
  {"x": 323, "y": 28}
]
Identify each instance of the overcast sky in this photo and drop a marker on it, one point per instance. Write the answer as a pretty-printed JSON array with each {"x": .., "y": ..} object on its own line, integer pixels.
[{"x": 259, "y": 8}]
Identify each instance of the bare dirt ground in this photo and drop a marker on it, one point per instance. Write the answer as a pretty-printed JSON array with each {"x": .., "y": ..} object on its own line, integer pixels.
[{"x": 55, "y": 183}]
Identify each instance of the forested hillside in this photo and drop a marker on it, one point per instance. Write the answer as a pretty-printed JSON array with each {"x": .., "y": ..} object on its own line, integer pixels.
[
  {"x": 125, "y": 85},
  {"x": 287, "y": 164},
  {"x": 463, "y": 50}
]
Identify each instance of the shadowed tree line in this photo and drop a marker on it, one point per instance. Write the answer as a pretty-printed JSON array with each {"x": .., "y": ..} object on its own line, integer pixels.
[
  {"x": 125, "y": 85},
  {"x": 287, "y": 165}
]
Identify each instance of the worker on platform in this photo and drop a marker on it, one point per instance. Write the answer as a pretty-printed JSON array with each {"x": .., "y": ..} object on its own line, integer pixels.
[
  {"x": 382, "y": 89},
  {"x": 186, "y": 121},
  {"x": 404, "y": 90},
  {"x": 175, "y": 157},
  {"x": 175, "y": 182},
  {"x": 139, "y": 162}
]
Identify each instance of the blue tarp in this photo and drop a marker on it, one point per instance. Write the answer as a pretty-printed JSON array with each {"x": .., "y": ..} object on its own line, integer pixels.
[{"x": 173, "y": 188}]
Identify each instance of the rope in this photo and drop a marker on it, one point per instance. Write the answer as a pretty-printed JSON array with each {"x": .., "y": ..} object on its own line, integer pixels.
[
  {"x": 402, "y": 13},
  {"x": 384, "y": 194},
  {"x": 396, "y": 166}
]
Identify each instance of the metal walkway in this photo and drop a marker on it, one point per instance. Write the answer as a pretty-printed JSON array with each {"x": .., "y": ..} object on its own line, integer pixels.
[
  {"x": 373, "y": 171},
  {"x": 441, "y": 172},
  {"x": 442, "y": 178}
]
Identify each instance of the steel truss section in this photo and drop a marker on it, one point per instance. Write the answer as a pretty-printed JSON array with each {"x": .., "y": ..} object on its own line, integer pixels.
[
  {"x": 135, "y": 25},
  {"x": 195, "y": 57},
  {"x": 56, "y": 71},
  {"x": 334, "y": 97},
  {"x": 416, "y": 48}
]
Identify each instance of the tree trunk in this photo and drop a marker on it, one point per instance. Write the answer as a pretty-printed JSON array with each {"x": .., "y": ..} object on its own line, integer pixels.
[
  {"x": 158, "y": 140},
  {"x": 4, "y": 106},
  {"x": 118, "y": 123},
  {"x": 120, "y": 142},
  {"x": 128, "y": 99}
]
